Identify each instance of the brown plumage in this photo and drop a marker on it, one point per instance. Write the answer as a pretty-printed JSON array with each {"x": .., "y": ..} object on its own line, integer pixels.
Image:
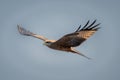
[{"x": 67, "y": 42}]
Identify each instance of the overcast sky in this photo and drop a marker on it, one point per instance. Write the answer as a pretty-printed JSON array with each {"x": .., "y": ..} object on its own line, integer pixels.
[{"x": 26, "y": 58}]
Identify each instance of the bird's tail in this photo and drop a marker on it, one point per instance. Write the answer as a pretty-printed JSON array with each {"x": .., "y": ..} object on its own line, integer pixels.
[
  {"x": 24, "y": 31},
  {"x": 77, "y": 52}
]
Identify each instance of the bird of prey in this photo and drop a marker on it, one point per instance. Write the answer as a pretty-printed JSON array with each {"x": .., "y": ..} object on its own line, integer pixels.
[{"x": 68, "y": 41}]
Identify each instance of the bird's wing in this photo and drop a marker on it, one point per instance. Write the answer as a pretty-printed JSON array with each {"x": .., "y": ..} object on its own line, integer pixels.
[
  {"x": 76, "y": 38},
  {"x": 28, "y": 33}
]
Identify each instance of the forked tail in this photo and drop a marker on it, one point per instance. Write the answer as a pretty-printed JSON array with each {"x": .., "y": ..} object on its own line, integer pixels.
[{"x": 77, "y": 52}]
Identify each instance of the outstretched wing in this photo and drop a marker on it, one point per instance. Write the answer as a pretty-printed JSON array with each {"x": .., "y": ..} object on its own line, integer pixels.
[
  {"x": 28, "y": 33},
  {"x": 79, "y": 36}
]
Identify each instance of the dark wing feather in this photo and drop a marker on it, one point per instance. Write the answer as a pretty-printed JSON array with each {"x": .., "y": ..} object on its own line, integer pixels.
[{"x": 79, "y": 36}]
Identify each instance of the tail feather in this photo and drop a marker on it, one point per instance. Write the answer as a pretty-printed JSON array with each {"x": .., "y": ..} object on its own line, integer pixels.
[{"x": 77, "y": 52}]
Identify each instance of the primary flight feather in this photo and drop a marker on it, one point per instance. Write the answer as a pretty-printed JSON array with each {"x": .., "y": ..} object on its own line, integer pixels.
[{"x": 68, "y": 41}]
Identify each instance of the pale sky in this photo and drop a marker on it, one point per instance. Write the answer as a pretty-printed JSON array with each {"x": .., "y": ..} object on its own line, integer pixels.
[{"x": 26, "y": 58}]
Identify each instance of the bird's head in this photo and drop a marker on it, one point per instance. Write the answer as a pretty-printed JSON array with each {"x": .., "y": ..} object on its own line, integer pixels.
[{"x": 49, "y": 42}]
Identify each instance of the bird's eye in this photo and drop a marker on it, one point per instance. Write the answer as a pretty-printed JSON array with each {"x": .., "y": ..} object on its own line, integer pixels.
[{"x": 47, "y": 42}]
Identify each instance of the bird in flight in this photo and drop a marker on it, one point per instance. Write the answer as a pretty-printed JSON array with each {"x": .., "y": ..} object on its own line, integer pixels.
[{"x": 68, "y": 41}]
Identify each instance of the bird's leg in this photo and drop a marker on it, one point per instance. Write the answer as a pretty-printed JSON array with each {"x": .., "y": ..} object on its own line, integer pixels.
[{"x": 77, "y": 52}]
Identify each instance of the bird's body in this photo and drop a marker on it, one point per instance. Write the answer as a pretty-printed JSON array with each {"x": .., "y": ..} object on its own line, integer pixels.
[{"x": 68, "y": 41}]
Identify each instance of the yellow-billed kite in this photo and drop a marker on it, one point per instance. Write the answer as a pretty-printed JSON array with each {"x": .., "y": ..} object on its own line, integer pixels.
[{"x": 68, "y": 41}]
